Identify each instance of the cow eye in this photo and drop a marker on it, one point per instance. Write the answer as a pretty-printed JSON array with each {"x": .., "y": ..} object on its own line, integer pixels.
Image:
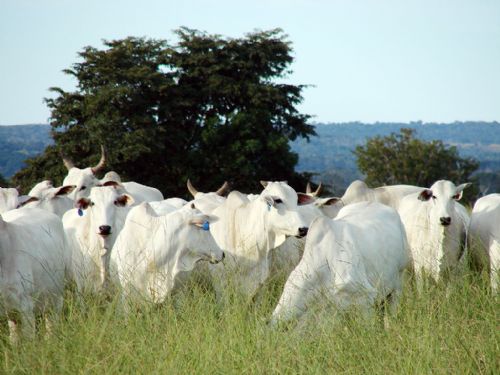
[
  {"x": 83, "y": 188},
  {"x": 277, "y": 201}
]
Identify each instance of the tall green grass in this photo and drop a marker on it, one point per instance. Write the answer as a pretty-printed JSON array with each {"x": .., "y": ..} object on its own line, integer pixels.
[{"x": 450, "y": 329}]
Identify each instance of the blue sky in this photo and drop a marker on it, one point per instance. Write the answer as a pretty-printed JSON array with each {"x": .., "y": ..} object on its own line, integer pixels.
[{"x": 369, "y": 60}]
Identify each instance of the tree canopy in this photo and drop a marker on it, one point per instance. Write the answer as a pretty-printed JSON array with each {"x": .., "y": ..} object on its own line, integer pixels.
[
  {"x": 404, "y": 159},
  {"x": 208, "y": 108}
]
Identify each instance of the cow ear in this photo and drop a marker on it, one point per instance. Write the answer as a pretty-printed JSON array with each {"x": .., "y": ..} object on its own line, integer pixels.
[
  {"x": 304, "y": 199},
  {"x": 112, "y": 183},
  {"x": 460, "y": 190},
  {"x": 425, "y": 195},
  {"x": 83, "y": 203},
  {"x": 65, "y": 190},
  {"x": 124, "y": 200},
  {"x": 25, "y": 199},
  {"x": 321, "y": 202}
]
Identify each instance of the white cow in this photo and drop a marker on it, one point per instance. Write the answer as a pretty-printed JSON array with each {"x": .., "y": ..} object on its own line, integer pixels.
[
  {"x": 356, "y": 259},
  {"x": 484, "y": 236},
  {"x": 152, "y": 252},
  {"x": 92, "y": 229},
  {"x": 247, "y": 231},
  {"x": 33, "y": 261},
  {"x": 83, "y": 179},
  {"x": 436, "y": 226},
  {"x": 50, "y": 198},
  {"x": 358, "y": 191},
  {"x": 140, "y": 192},
  {"x": 9, "y": 199}
]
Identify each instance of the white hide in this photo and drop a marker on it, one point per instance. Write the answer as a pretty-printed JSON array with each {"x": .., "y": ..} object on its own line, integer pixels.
[
  {"x": 140, "y": 192},
  {"x": 9, "y": 199},
  {"x": 249, "y": 230},
  {"x": 484, "y": 236},
  {"x": 87, "y": 234},
  {"x": 436, "y": 248},
  {"x": 153, "y": 251},
  {"x": 33, "y": 261},
  {"x": 356, "y": 259}
]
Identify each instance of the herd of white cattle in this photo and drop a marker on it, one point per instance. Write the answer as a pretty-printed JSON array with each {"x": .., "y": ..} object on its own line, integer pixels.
[{"x": 103, "y": 234}]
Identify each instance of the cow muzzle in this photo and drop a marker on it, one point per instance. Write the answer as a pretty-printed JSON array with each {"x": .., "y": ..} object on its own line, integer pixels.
[
  {"x": 302, "y": 232},
  {"x": 215, "y": 261},
  {"x": 104, "y": 230},
  {"x": 445, "y": 221}
]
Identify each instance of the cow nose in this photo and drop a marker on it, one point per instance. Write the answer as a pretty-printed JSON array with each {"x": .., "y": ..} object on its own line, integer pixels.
[
  {"x": 303, "y": 231},
  {"x": 104, "y": 230},
  {"x": 445, "y": 221}
]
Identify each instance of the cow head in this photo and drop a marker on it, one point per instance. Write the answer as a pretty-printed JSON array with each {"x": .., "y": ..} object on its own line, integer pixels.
[
  {"x": 442, "y": 196},
  {"x": 83, "y": 179},
  {"x": 102, "y": 205},
  {"x": 194, "y": 238},
  {"x": 281, "y": 202},
  {"x": 49, "y": 198}
]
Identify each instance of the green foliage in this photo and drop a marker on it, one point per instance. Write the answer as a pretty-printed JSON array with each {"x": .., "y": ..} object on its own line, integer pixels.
[
  {"x": 208, "y": 108},
  {"x": 404, "y": 159},
  {"x": 444, "y": 330}
]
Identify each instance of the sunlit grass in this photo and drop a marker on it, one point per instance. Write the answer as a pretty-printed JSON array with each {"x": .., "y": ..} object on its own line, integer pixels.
[{"x": 452, "y": 329}]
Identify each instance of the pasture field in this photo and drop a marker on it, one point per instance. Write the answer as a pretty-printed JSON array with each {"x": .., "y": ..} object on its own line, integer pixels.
[{"x": 443, "y": 330}]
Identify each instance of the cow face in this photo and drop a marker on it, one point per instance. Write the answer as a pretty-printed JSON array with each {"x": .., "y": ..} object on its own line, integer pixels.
[
  {"x": 281, "y": 203},
  {"x": 195, "y": 238},
  {"x": 442, "y": 196},
  {"x": 83, "y": 179},
  {"x": 102, "y": 206}
]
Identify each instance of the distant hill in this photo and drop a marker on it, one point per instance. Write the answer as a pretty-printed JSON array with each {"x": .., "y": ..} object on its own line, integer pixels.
[
  {"x": 18, "y": 142},
  {"x": 329, "y": 155}
]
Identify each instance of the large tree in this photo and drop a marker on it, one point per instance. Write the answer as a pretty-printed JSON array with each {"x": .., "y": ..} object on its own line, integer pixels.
[
  {"x": 404, "y": 159},
  {"x": 207, "y": 108}
]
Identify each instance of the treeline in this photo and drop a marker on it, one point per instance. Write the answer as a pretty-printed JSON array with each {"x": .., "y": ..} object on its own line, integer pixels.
[{"x": 330, "y": 155}]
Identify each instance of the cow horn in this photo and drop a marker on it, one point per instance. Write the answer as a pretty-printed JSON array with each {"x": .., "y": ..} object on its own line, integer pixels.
[
  {"x": 67, "y": 163},
  {"x": 191, "y": 188},
  {"x": 263, "y": 183},
  {"x": 222, "y": 189},
  {"x": 308, "y": 188},
  {"x": 318, "y": 190},
  {"x": 101, "y": 163}
]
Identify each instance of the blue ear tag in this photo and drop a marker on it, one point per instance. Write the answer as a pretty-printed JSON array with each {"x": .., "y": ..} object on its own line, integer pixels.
[
  {"x": 80, "y": 212},
  {"x": 269, "y": 206},
  {"x": 206, "y": 225}
]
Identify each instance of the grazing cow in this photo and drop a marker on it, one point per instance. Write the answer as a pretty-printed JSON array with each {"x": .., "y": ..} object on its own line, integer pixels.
[
  {"x": 33, "y": 261},
  {"x": 83, "y": 179},
  {"x": 140, "y": 192},
  {"x": 248, "y": 229},
  {"x": 436, "y": 226},
  {"x": 356, "y": 259},
  {"x": 484, "y": 236},
  {"x": 49, "y": 198},
  {"x": 91, "y": 230},
  {"x": 152, "y": 252}
]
